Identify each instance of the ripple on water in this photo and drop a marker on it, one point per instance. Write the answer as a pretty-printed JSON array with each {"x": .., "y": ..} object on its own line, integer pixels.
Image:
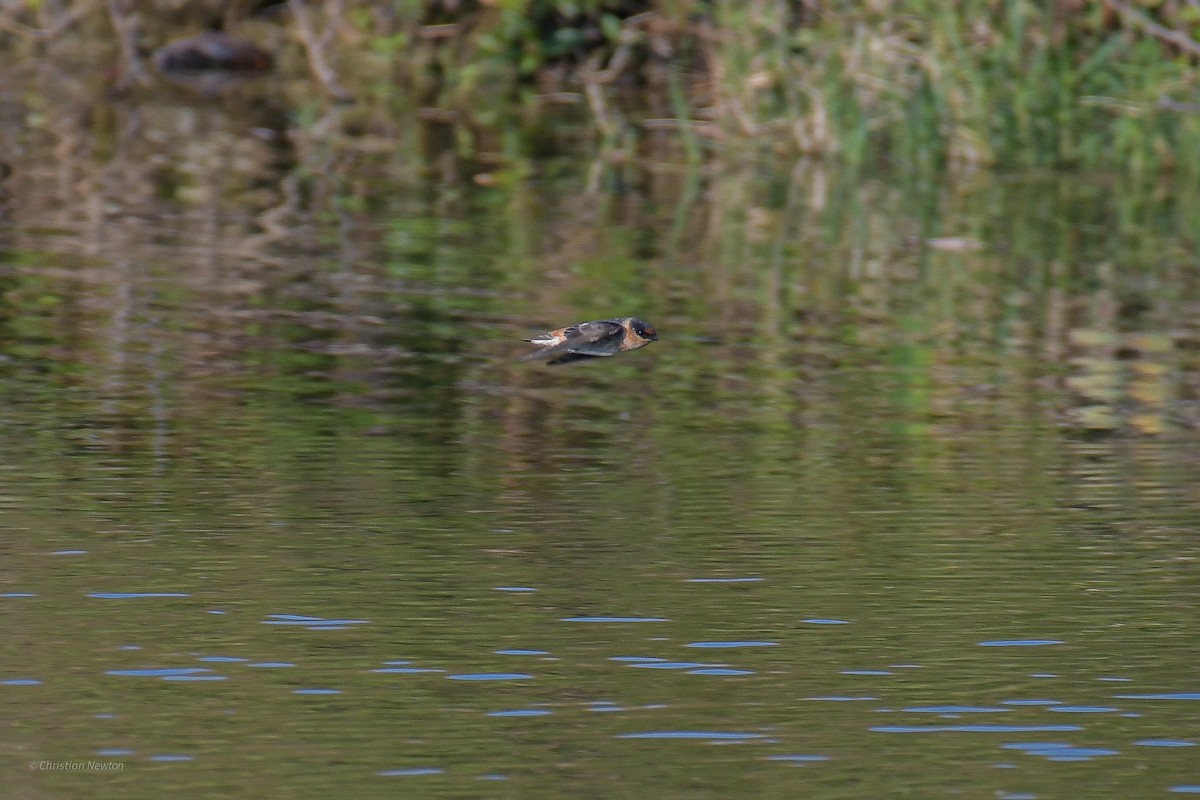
[
  {"x": 520, "y": 712},
  {"x": 519, "y": 652},
  {"x": 271, "y": 664},
  {"x": 313, "y": 623},
  {"x": 614, "y": 619},
  {"x": 1162, "y": 696},
  {"x": 821, "y": 621},
  {"x": 708, "y": 735},
  {"x": 316, "y": 691},
  {"x": 515, "y": 589},
  {"x": 1166, "y": 743},
  {"x": 115, "y": 751},
  {"x": 604, "y": 705},
  {"x": 223, "y": 659},
  {"x": 724, "y": 580},
  {"x": 18, "y": 594},
  {"x": 975, "y": 728},
  {"x": 1059, "y": 751},
  {"x": 726, "y": 671},
  {"x": 957, "y": 710},
  {"x": 1021, "y": 642},
  {"x": 798, "y": 759},
  {"x": 169, "y": 757},
  {"x": 406, "y": 670},
  {"x": 490, "y": 676},
  {"x": 167, "y": 672},
  {"x": 866, "y": 672},
  {"x": 732, "y": 644},
  {"x": 1185, "y": 789},
  {"x": 21, "y": 682},
  {"x": 411, "y": 771},
  {"x": 134, "y": 595},
  {"x": 1083, "y": 709},
  {"x": 670, "y": 665}
]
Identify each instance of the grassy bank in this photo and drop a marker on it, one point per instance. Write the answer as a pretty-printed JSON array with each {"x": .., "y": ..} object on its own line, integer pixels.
[{"x": 1006, "y": 83}]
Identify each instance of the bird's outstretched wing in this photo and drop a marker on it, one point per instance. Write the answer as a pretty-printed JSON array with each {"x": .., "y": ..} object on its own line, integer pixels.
[{"x": 585, "y": 340}]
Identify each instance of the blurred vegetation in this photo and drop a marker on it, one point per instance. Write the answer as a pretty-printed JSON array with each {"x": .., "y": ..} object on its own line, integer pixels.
[{"x": 1009, "y": 83}]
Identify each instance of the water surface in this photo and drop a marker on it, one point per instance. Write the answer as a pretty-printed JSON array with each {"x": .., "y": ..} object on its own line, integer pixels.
[{"x": 282, "y": 512}]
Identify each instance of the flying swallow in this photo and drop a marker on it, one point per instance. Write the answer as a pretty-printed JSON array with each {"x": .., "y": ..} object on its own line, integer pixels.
[{"x": 605, "y": 337}]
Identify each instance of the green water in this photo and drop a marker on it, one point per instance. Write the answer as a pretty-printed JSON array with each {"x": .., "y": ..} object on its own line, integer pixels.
[{"x": 857, "y": 454}]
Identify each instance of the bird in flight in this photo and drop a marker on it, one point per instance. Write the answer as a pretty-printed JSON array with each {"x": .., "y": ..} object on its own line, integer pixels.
[{"x": 605, "y": 337}]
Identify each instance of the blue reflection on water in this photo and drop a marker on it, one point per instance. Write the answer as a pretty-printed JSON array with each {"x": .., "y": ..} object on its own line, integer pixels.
[
  {"x": 514, "y": 589},
  {"x": 1185, "y": 789},
  {"x": 866, "y": 672},
  {"x": 1166, "y": 743},
  {"x": 518, "y": 652},
  {"x": 406, "y": 670},
  {"x": 490, "y": 676},
  {"x": 271, "y": 664},
  {"x": 1059, "y": 751},
  {"x": 1163, "y": 696},
  {"x": 396, "y": 773},
  {"x": 115, "y": 751},
  {"x": 312, "y": 623},
  {"x": 18, "y": 594},
  {"x": 636, "y": 659},
  {"x": 798, "y": 758},
  {"x": 195, "y": 677},
  {"x": 605, "y": 705},
  {"x": 670, "y": 665},
  {"x": 158, "y": 673},
  {"x": 1031, "y": 702},
  {"x": 1083, "y": 709},
  {"x": 316, "y": 691},
  {"x": 20, "y": 682},
  {"x": 957, "y": 710},
  {"x": 838, "y": 698},
  {"x": 723, "y": 580},
  {"x": 520, "y": 712},
  {"x": 1021, "y": 642},
  {"x": 223, "y": 659},
  {"x": 973, "y": 728},
  {"x": 614, "y": 619},
  {"x": 172, "y": 757},
  {"x": 732, "y": 644},
  {"x": 719, "y": 671},
  {"x": 819, "y": 621}
]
